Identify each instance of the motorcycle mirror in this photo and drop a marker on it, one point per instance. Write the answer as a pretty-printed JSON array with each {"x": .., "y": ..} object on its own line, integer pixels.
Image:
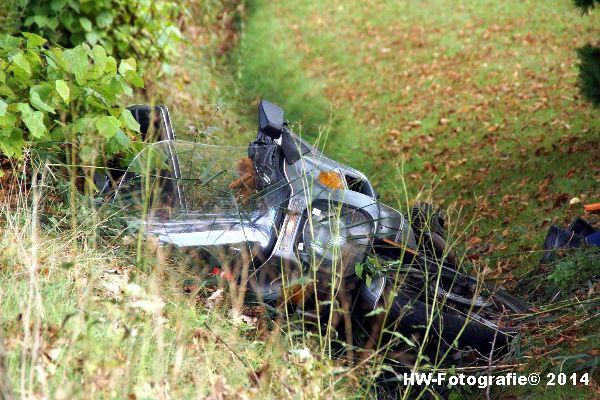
[{"x": 270, "y": 119}]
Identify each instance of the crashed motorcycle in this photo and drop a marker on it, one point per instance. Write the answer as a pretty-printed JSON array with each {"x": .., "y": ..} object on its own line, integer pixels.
[{"x": 305, "y": 232}]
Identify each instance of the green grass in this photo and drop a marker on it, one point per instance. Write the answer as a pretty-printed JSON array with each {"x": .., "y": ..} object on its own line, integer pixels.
[{"x": 84, "y": 319}]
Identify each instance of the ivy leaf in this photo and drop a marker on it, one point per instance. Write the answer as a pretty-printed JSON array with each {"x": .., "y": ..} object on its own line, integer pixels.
[
  {"x": 108, "y": 126},
  {"x": 86, "y": 24},
  {"x": 33, "y": 58},
  {"x": 33, "y": 40},
  {"x": 35, "y": 97},
  {"x": 129, "y": 121},
  {"x": 3, "y": 106},
  {"x": 20, "y": 61},
  {"x": 33, "y": 120},
  {"x": 63, "y": 90},
  {"x": 40, "y": 20}
]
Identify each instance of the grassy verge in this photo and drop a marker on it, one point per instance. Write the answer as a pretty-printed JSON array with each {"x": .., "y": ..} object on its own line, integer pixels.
[{"x": 97, "y": 312}]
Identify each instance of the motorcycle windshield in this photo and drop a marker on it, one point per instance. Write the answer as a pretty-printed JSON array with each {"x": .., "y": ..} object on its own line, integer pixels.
[{"x": 196, "y": 195}]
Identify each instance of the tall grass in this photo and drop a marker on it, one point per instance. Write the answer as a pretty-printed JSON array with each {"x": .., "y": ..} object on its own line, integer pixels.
[{"x": 88, "y": 321}]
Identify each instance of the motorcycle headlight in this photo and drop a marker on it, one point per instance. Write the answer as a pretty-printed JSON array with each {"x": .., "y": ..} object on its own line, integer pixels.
[{"x": 335, "y": 235}]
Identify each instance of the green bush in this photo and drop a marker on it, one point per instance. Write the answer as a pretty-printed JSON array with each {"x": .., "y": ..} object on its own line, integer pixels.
[
  {"x": 54, "y": 99},
  {"x": 571, "y": 272},
  {"x": 144, "y": 29},
  {"x": 589, "y": 60}
]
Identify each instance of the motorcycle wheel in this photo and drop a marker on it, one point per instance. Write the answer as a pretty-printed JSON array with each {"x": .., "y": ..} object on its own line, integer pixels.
[{"x": 468, "y": 313}]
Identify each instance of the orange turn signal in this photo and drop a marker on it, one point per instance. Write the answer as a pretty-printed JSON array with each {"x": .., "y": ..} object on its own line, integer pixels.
[{"x": 331, "y": 179}]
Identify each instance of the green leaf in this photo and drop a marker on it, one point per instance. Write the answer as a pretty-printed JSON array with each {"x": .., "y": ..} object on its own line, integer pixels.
[
  {"x": 53, "y": 23},
  {"x": 127, "y": 71},
  {"x": 358, "y": 269},
  {"x": 3, "y": 106},
  {"x": 377, "y": 311},
  {"x": 57, "y": 55},
  {"x": 104, "y": 19},
  {"x": 11, "y": 142},
  {"x": 133, "y": 78},
  {"x": 77, "y": 62},
  {"x": 62, "y": 88},
  {"x": 33, "y": 120},
  {"x": 111, "y": 66},
  {"x": 74, "y": 4},
  {"x": 99, "y": 56},
  {"x": 108, "y": 126},
  {"x": 128, "y": 64},
  {"x": 35, "y": 98},
  {"x": 33, "y": 40},
  {"x": 86, "y": 24},
  {"x": 9, "y": 42},
  {"x": 84, "y": 125},
  {"x": 123, "y": 139},
  {"x": 8, "y": 121},
  {"x": 87, "y": 153},
  {"x": 118, "y": 143},
  {"x": 33, "y": 58},
  {"x": 57, "y": 5},
  {"x": 67, "y": 19},
  {"x": 98, "y": 101},
  {"x": 7, "y": 92},
  {"x": 92, "y": 37},
  {"x": 20, "y": 61},
  {"x": 40, "y": 20},
  {"x": 129, "y": 121},
  {"x": 401, "y": 336}
]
